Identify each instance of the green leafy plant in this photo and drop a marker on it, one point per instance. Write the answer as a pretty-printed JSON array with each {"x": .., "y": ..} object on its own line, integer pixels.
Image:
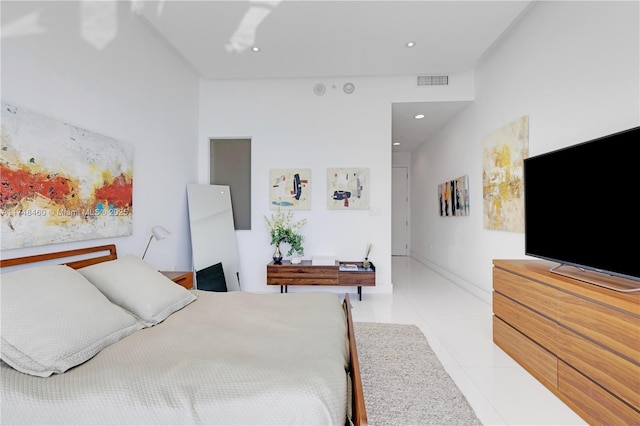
[{"x": 284, "y": 229}]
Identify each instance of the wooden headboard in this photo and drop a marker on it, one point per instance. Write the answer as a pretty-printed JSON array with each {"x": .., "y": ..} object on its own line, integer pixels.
[{"x": 96, "y": 255}]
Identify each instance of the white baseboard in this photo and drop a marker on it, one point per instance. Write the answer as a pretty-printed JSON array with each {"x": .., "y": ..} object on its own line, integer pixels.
[
  {"x": 460, "y": 282},
  {"x": 378, "y": 289}
]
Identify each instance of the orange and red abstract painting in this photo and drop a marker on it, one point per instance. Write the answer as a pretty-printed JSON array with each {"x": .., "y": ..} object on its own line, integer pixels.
[{"x": 61, "y": 183}]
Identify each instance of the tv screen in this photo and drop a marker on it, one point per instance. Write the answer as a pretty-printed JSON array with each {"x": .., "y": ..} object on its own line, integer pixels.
[{"x": 580, "y": 205}]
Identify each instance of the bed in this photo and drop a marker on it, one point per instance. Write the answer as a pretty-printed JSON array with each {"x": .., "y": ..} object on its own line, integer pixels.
[{"x": 143, "y": 350}]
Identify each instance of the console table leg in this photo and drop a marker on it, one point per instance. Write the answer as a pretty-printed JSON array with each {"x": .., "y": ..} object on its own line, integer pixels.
[{"x": 360, "y": 292}]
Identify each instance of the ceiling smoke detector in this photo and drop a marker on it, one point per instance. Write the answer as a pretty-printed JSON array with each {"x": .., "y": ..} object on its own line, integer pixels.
[
  {"x": 348, "y": 88},
  {"x": 319, "y": 89}
]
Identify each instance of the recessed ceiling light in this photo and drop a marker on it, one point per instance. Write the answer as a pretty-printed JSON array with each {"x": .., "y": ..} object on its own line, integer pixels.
[
  {"x": 396, "y": 144},
  {"x": 255, "y": 48},
  {"x": 411, "y": 43},
  {"x": 419, "y": 116}
]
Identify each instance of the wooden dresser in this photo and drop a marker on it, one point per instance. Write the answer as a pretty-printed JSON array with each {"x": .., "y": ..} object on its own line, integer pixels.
[{"x": 580, "y": 340}]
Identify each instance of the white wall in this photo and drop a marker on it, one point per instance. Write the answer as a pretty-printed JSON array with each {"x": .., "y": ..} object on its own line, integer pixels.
[
  {"x": 291, "y": 127},
  {"x": 574, "y": 69},
  {"x": 401, "y": 159},
  {"x": 132, "y": 88}
]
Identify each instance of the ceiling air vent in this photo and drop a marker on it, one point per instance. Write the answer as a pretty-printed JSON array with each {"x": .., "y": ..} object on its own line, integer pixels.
[{"x": 433, "y": 80}]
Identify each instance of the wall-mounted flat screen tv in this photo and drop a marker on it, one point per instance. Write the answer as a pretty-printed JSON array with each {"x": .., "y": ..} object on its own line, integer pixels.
[{"x": 580, "y": 205}]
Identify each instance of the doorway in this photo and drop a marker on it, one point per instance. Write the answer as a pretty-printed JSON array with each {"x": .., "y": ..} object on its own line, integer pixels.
[
  {"x": 230, "y": 164},
  {"x": 400, "y": 211}
]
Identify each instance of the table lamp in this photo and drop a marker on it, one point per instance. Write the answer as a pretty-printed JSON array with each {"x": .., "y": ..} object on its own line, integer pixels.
[{"x": 157, "y": 232}]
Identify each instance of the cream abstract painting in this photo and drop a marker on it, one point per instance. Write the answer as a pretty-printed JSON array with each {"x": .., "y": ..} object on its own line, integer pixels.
[
  {"x": 503, "y": 154},
  {"x": 290, "y": 189},
  {"x": 348, "y": 188}
]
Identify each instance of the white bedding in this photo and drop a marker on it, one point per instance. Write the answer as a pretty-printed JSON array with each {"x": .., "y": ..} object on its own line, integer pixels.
[{"x": 227, "y": 358}]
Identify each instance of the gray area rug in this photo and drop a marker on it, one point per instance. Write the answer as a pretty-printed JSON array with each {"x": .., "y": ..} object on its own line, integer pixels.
[{"x": 404, "y": 382}]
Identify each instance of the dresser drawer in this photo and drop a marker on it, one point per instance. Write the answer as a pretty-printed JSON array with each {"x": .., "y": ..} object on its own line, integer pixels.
[
  {"x": 613, "y": 372},
  {"x": 602, "y": 407},
  {"x": 357, "y": 278},
  {"x": 541, "y": 363},
  {"x": 615, "y": 329},
  {"x": 302, "y": 275},
  {"x": 538, "y": 328},
  {"x": 539, "y": 297}
]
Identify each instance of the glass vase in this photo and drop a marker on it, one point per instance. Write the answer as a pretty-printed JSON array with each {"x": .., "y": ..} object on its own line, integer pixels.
[{"x": 277, "y": 255}]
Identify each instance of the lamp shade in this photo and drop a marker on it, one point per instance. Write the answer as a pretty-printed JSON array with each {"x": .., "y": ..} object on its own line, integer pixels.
[{"x": 160, "y": 233}]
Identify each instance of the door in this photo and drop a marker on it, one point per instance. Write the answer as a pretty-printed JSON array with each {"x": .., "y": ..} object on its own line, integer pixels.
[{"x": 400, "y": 211}]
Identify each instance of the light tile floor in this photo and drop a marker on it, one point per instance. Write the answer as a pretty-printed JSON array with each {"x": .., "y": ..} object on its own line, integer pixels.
[{"x": 457, "y": 325}]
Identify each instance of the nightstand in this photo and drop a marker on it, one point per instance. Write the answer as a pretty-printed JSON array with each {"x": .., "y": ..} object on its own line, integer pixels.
[{"x": 183, "y": 278}]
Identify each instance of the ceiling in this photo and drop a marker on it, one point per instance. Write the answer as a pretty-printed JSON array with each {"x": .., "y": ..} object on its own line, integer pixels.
[{"x": 321, "y": 38}]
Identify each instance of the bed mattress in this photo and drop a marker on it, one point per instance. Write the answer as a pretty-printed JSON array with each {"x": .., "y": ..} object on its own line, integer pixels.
[{"x": 227, "y": 358}]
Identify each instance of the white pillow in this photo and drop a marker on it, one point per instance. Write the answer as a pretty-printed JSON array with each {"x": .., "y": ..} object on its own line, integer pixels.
[
  {"x": 134, "y": 285},
  {"x": 54, "y": 319}
]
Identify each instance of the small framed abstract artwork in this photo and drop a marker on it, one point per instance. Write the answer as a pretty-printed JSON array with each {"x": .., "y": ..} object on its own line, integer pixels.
[
  {"x": 348, "y": 188},
  {"x": 453, "y": 197},
  {"x": 290, "y": 189}
]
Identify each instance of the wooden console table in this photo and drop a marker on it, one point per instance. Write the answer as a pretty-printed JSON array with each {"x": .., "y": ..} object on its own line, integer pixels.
[{"x": 285, "y": 274}]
